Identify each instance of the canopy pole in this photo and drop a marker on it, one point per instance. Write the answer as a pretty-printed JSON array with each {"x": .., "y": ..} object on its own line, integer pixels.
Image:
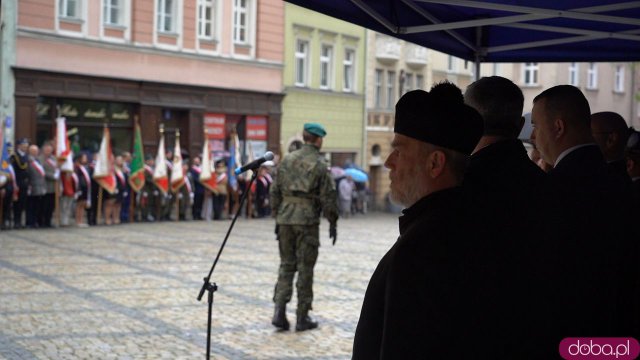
[{"x": 476, "y": 73}]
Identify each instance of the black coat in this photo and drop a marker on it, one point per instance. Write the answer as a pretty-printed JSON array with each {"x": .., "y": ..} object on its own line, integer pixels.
[
  {"x": 590, "y": 211},
  {"x": 415, "y": 306},
  {"x": 20, "y": 165}
]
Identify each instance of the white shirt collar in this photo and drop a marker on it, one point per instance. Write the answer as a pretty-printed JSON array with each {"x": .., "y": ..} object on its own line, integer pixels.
[{"x": 570, "y": 150}]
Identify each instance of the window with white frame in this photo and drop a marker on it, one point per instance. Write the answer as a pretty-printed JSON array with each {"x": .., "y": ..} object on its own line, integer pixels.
[
  {"x": 378, "y": 89},
  {"x": 419, "y": 82},
  {"x": 326, "y": 66},
  {"x": 592, "y": 76},
  {"x": 349, "y": 64},
  {"x": 302, "y": 62},
  {"x": 166, "y": 15},
  {"x": 391, "y": 89},
  {"x": 69, "y": 8},
  {"x": 112, "y": 12},
  {"x": 241, "y": 21},
  {"x": 619, "y": 79},
  {"x": 531, "y": 74},
  {"x": 574, "y": 74},
  {"x": 408, "y": 82},
  {"x": 451, "y": 63},
  {"x": 206, "y": 12}
]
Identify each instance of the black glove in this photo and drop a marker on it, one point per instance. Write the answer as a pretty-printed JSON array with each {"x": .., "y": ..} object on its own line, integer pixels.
[
  {"x": 333, "y": 234},
  {"x": 277, "y": 232}
]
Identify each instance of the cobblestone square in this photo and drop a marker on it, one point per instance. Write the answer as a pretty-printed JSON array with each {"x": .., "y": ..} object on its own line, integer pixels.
[{"x": 129, "y": 291}]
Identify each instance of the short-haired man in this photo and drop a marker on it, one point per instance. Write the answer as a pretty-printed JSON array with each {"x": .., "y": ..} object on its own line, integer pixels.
[
  {"x": 52, "y": 174},
  {"x": 610, "y": 132},
  {"x": 589, "y": 209},
  {"x": 415, "y": 304},
  {"x": 302, "y": 192},
  {"x": 20, "y": 164},
  {"x": 632, "y": 157}
]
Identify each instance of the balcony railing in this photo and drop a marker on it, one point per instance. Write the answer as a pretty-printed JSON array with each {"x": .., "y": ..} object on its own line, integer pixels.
[
  {"x": 387, "y": 49},
  {"x": 415, "y": 56}
]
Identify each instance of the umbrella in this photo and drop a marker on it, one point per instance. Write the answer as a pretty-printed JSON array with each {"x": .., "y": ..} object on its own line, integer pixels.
[
  {"x": 357, "y": 175},
  {"x": 336, "y": 172}
]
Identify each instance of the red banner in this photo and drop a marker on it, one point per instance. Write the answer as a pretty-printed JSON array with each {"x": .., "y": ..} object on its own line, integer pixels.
[
  {"x": 214, "y": 126},
  {"x": 256, "y": 128}
]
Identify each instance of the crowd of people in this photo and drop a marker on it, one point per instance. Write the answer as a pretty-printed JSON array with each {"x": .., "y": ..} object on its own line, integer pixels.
[
  {"x": 36, "y": 185},
  {"x": 499, "y": 256}
]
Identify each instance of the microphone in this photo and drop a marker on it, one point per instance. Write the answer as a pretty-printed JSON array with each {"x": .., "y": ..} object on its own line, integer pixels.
[{"x": 255, "y": 163}]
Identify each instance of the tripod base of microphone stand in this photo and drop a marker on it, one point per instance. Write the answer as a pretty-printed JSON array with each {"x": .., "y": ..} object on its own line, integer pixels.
[{"x": 210, "y": 288}]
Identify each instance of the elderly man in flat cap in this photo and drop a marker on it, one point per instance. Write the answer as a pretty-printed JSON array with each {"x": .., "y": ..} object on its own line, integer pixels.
[
  {"x": 414, "y": 304},
  {"x": 301, "y": 192}
]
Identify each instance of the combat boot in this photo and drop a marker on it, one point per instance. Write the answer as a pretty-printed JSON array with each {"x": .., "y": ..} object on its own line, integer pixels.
[
  {"x": 280, "y": 317},
  {"x": 304, "y": 322}
]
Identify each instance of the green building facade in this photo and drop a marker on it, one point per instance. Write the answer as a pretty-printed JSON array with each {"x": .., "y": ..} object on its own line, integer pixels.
[{"x": 324, "y": 76}]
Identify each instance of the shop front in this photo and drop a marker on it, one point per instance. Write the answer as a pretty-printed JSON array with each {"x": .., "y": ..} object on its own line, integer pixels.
[{"x": 199, "y": 113}]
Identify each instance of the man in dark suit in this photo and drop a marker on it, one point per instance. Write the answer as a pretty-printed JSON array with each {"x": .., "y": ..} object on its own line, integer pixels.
[
  {"x": 20, "y": 163},
  {"x": 632, "y": 157},
  {"x": 416, "y": 304},
  {"x": 589, "y": 211},
  {"x": 610, "y": 133},
  {"x": 504, "y": 187}
]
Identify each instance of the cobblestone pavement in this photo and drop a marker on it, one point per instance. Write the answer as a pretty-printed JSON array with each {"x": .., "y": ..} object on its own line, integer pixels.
[{"x": 129, "y": 292}]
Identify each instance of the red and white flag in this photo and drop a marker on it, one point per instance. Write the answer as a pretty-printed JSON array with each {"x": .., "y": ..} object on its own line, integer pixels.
[
  {"x": 160, "y": 177},
  {"x": 104, "y": 172},
  {"x": 63, "y": 149},
  {"x": 177, "y": 175},
  {"x": 206, "y": 178}
]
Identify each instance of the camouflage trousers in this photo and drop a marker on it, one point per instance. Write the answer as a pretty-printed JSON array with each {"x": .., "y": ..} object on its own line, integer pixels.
[{"x": 298, "y": 252}]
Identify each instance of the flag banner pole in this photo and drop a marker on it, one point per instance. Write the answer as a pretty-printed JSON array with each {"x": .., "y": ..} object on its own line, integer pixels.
[
  {"x": 99, "y": 209},
  {"x": 57, "y": 185}
]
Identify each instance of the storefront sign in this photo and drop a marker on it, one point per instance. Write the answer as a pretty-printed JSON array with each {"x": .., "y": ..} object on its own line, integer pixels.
[
  {"x": 256, "y": 128},
  {"x": 95, "y": 114},
  {"x": 69, "y": 111},
  {"x": 214, "y": 126},
  {"x": 122, "y": 115}
]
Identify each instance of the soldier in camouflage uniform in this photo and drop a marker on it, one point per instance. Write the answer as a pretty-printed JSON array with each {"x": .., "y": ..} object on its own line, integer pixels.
[
  {"x": 148, "y": 196},
  {"x": 301, "y": 192}
]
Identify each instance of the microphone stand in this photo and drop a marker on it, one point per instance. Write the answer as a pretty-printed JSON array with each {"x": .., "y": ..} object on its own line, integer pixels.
[{"x": 212, "y": 287}]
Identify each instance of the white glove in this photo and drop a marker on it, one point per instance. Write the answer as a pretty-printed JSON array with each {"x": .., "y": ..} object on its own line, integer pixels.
[{"x": 56, "y": 175}]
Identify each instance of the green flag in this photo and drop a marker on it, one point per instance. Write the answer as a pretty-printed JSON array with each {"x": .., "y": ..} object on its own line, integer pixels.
[{"x": 136, "y": 178}]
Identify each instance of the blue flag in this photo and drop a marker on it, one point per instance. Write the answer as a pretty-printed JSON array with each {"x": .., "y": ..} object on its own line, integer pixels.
[{"x": 5, "y": 162}]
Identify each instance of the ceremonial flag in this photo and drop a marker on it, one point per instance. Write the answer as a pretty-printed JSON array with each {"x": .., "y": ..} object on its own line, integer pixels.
[
  {"x": 234, "y": 161},
  {"x": 136, "y": 178},
  {"x": 104, "y": 172},
  {"x": 160, "y": 177},
  {"x": 5, "y": 162},
  {"x": 63, "y": 149},
  {"x": 206, "y": 178},
  {"x": 177, "y": 175}
]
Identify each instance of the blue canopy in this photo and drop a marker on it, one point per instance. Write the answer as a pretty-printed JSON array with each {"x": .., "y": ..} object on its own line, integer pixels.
[{"x": 502, "y": 30}]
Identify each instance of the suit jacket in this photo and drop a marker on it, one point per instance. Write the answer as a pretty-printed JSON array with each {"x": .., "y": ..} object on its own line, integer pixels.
[
  {"x": 36, "y": 177},
  {"x": 20, "y": 165},
  {"x": 597, "y": 244},
  {"x": 50, "y": 172}
]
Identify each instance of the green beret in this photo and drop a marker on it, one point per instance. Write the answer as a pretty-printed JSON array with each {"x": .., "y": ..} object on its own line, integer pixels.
[
  {"x": 315, "y": 129},
  {"x": 439, "y": 117}
]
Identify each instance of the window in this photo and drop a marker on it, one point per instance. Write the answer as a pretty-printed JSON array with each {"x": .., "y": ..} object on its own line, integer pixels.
[
  {"x": 113, "y": 12},
  {"x": 205, "y": 19},
  {"x": 408, "y": 82},
  {"x": 326, "y": 65},
  {"x": 419, "y": 82},
  {"x": 592, "y": 76},
  {"x": 391, "y": 90},
  {"x": 302, "y": 61},
  {"x": 378, "y": 88},
  {"x": 451, "y": 64},
  {"x": 530, "y": 74},
  {"x": 240, "y": 21},
  {"x": 573, "y": 74},
  {"x": 166, "y": 15},
  {"x": 69, "y": 8},
  {"x": 349, "y": 57},
  {"x": 619, "y": 79}
]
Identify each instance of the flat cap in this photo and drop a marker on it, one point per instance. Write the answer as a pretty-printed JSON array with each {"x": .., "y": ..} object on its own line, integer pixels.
[
  {"x": 439, "y": 117},
  {"x": 23, "y": 141},
  {"x": 315, "y": 129}
]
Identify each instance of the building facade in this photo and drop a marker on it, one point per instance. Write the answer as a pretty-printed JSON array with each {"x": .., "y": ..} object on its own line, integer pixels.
[
  {"x": 324, "y": 82},
  {"x": 204, "y": 67}
]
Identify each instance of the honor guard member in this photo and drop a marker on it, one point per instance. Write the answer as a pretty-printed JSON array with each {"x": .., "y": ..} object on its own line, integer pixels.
[
  {"x": 20, "y": 163},
  {"x": 52, "y": 174},
  {"x": 185, "y": 193},
  {"x": 168, "y": 200},
  {"x": 149, "y": 195},
  {"x": 302, "y": 192},
  {"x": 37, "y": 188}
]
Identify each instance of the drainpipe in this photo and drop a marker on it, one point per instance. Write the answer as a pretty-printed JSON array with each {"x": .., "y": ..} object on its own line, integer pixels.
[{"x": 363, "y": 157}]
